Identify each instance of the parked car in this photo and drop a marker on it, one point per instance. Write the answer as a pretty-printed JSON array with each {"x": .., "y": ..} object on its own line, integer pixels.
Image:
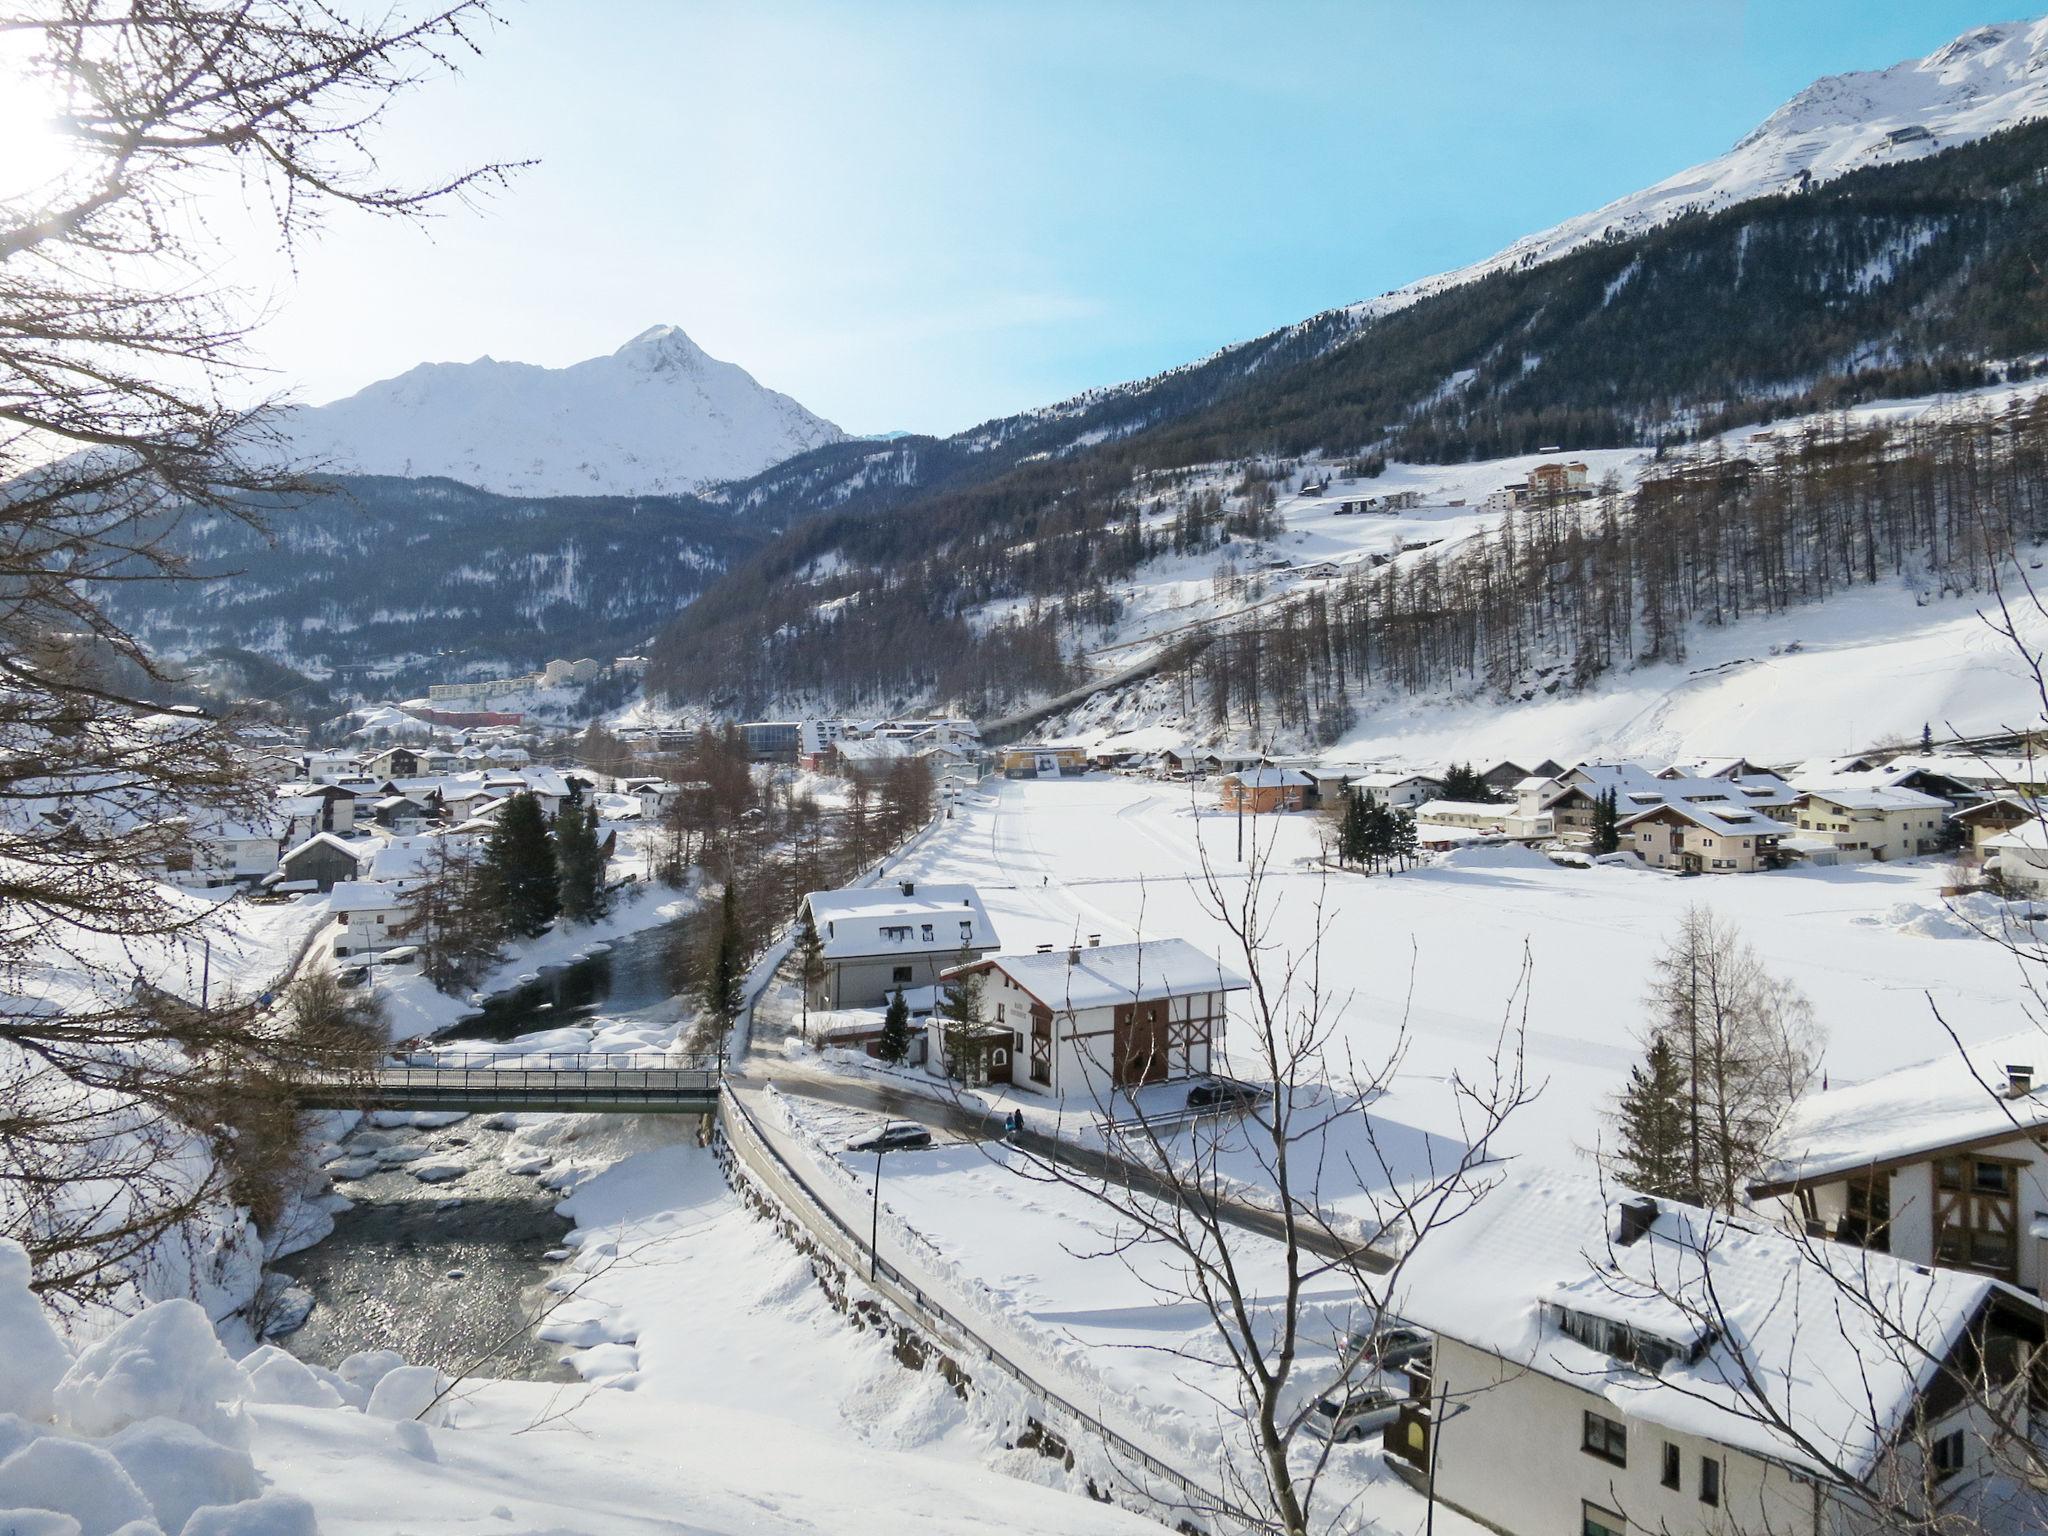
[
  {"x": 1221, "y": 1093},
  {"x": 352, "y": 976},
  {"x": 1355, "y": 1415},
  {"x": 405, "y": 954},
  {"x": 896, "y": 1136},
  {"x": 1385, "y": 1348}
]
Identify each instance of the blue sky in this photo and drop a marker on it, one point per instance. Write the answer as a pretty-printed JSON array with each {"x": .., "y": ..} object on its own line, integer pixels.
[{"x": 919, "y": 215}]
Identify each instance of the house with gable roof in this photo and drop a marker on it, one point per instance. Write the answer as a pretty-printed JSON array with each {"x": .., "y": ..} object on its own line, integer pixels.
[{"x": 1611, "y": 1364}]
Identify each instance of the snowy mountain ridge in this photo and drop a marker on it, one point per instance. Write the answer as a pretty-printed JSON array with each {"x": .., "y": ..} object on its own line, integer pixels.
[
  {"x": 659, "y": 416},
  {"x": 1986, "y": 80}
]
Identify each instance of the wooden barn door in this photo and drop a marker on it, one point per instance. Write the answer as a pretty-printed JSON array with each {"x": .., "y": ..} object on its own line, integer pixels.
[{"x": 1141, "y": 1043}]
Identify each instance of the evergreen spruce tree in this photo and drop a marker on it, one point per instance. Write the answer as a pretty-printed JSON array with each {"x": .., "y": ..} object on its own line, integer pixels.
[
  {"x": 810, "y": 960},
  {"x": 1378, "y": 842},
  {"x": 895, "y": 1042},
  {"x": 725, "y": 976},
  {"x": 1606, "y": 822},
  {"x": 1351, "y": 837},
  {"x": 1927, "y": 736},
  {"x": 961, "y": 1009},
  {"x": 1404, "y": 841},
  {"x": 1652, "y": 1124},
  {"x": 579, "y": 862},
  {"x": 519, "y": 868}
]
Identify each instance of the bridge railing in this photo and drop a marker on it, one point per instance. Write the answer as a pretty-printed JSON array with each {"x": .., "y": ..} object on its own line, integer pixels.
[
  {"x": 554, "y": 1061},
  {"x": 608, "y": 1078}
]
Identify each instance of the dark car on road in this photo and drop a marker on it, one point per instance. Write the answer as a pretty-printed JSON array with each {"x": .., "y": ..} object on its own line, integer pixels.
[{"x": 896, "y": 1136}]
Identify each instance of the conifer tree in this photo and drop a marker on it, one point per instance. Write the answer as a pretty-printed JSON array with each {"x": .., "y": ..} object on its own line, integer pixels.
[
  {"x": 1606, "y": 822},
  {"x": 1652, "y": 1124},
  {"x": 962, "y": 1009},
  {"x": 810, "y": 960},
  {"x": 895, "y": 1042},
  {"x": 1405, "y": 845},
  {"x": 579, "y": 862},
  {"x": 519, "y": 868},
  {"x": 725, "y": 976}
]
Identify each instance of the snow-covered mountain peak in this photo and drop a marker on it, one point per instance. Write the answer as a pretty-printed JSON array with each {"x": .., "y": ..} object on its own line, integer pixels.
[
  {"x": 1991, "y": 78},
  {"x": 663, "y": 345},
  {"x": 657, "y": 416}
]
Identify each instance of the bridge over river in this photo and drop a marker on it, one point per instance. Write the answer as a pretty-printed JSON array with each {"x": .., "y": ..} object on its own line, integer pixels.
[{"x": 583, "y": 1082}]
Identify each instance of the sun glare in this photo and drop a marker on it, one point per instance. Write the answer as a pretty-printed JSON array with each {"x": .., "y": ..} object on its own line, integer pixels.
[{"x": 35, "y": 152}]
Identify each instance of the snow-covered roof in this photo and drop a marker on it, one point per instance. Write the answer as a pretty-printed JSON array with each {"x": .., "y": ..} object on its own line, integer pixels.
[
  {"x": 1431, "y": 810},
  {"x": 1104, "y": 975},
  {"x": 1271, "y": 778},
  {"x": 2027, "y": 837},
  {"x": 1913, "y": 1112},
  {"x": 355, "y": 851},
  {"x": 1392, "y": 778},
  {"x": 1879, "y": 798},
  {"x": 362, "y": 896},
  {"x": 1721, "y": 818},
  {"x": 855, "y": 922},
  {"x": 1491, "y": 1277}
]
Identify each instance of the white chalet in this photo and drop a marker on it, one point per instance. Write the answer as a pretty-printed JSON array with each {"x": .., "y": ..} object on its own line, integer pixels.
[
  {"x": 1937, "y": 1163},
  {"x": 368, "y": 917},
  {"x": 1611, "y": 1358},
  {"x": 880, "y": 939},
  {"x": 1084, "y": 1022}
]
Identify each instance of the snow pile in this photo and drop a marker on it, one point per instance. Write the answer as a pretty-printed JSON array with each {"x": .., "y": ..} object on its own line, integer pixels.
[
  {"x": 145, "y": 1432},
  {"x": 1494, "y": 856},
  {"x": 1977, "y": 914},
  {"x": 658, "y": 416}
]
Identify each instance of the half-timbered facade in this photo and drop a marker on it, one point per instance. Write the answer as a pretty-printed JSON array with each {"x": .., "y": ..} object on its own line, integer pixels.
[{"x": 1940, "y": 1163}]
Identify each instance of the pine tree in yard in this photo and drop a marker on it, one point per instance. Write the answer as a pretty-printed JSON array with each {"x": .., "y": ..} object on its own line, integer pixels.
[
  {"x": 1351, "y": 837},
  {"x": 1927, "y": 736},
  {"x": 1652, "y": 1125},
  {"x": 962, "y": 1009},
  {"x": 895, "y": 1042},
  {"x": 519, "y": 868},
  {"x": 810, "y": 960},
  {"x": 1606, "y": 822},
  {"x": 1405, "y": 845},
  {"x": 579, "y": 862},
  {"x": 725, "y": 977},
  {"x": 1378, "y": 833}
]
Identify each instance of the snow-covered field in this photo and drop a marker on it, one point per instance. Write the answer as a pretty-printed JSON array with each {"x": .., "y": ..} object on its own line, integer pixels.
[{"x": 1443, "y": 948}]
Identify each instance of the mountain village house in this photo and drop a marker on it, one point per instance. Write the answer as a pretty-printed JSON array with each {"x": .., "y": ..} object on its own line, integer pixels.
[
  {"x": 1397, "y": 788},
  {"x": 1044, "y": 760},
  {"x": 368, "y": 917},
  {"x": 2020, "y": 856},
  {"x": 1081, "y": 1024},
  {"x": 1984, "y": 820},
  {"x": 1939, "y": 1163},
  {"x": 882, "y": 939},
  {"x": 1259, "y": 790},
  {"x": 1875, "y": 823},
  {"x": 1606, "y": 1357},
  {"x": 1701, "y": 838}
]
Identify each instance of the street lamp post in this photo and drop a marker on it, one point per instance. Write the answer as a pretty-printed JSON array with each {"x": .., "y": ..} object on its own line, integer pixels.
[{"x": 875, "y": 1223}]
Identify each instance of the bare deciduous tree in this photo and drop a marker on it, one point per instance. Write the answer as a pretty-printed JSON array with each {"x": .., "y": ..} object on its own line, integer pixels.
[
  {"x": 126, "y": 412},
  {"x": 1256, "y": 1217}
]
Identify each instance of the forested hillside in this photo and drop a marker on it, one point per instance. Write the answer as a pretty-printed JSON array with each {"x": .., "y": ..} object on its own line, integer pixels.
[
  {"x": 1894, "y": 281},
  {"x": 394, "y": 583}
]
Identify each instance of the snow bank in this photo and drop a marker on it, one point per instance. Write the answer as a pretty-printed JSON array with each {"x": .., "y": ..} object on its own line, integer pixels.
[{"x": 1494, "y": 856}]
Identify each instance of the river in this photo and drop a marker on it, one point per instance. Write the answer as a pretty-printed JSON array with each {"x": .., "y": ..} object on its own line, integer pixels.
[{"x": 450, "y": 1273}]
